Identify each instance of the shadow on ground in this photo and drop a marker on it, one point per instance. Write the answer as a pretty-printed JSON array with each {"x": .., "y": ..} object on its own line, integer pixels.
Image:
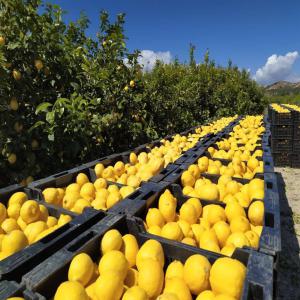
[{"x": 288, "y": 276}]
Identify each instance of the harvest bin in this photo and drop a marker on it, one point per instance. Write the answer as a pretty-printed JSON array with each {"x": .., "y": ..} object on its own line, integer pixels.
[
  {"x": 45, "y": 278},
  {"x": 14, "y": 266},
  {"x": 270, "y": 239}
]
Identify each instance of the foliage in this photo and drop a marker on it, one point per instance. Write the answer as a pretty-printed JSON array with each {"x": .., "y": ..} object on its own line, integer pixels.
[{"x": 66, "y": 98}]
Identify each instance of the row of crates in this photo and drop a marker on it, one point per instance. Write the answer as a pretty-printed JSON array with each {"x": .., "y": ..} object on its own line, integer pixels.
[
  {"x": 36, "y": 271},
  {"x": 285, "y": 129}
]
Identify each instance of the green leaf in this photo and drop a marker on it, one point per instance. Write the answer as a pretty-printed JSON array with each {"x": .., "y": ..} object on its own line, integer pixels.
[{"x": 43, "y": 107}]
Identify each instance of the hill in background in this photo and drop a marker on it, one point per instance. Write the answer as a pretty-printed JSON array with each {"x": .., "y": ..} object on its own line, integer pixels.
[{"x": 284, "y": 92}]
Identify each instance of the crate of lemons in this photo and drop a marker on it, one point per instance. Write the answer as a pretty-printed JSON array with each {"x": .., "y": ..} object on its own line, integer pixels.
[
  {"x": 293, "y": 107},
  {"x": 145, "y": 165},
  {"x": 226, "y": 189},
  {"x": 210, "y": 227},
  {"x": 24, "y": 222},
  {"x": 128, "y": 272},
  {"x": 280, "y": 109}
]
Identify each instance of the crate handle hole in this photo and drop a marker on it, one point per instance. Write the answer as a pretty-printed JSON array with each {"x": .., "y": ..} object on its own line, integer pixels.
[
  {"x": 81, "y": 242},
  {"x": 269, "y": 220}
]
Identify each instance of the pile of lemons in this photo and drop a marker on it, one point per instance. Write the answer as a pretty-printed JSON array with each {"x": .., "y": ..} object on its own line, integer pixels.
[
  {"x": 128, "y": 272},
  {"x": 211, "y": 227},
  {"x": 145, "y": 165},
  {"x": 83, "y": 193},
  {"x": 279, "y": 108},
  {"x": 24, "y": 222},
  {"x": 293, "y": 106}
]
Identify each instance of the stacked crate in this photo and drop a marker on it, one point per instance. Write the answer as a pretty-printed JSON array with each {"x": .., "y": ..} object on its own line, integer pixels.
[{"x": 285, "y": 138}]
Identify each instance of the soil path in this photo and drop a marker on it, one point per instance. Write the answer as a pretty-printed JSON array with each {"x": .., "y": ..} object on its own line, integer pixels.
[{"x": 288, "y": 276}]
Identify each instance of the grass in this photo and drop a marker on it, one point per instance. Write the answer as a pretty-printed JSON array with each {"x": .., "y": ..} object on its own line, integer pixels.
[{"x": 289, "y": 99}]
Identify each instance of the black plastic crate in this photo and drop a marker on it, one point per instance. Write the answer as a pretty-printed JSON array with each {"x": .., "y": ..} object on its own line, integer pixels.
[
  {"x": 282, "y": 131},
  {"x": 14, "y": 266},
  {"x": 45, "y": 278},
  {"x": 296, "y": 146},
  {"x": 295, "y": 159},
  {"x": 296, "y": 133},
  {"x": 282, "y": 145},
  {"x": 9, "y": 289},
  {"x": 280, "y": 118},
  {"x": 281, "y": 159}
]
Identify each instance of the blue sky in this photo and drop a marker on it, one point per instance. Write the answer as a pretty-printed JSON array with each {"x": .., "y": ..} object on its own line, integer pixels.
[{"x": 248, "y": 32}]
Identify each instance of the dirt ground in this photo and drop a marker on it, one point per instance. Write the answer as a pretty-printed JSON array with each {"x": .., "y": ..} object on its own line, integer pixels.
[{"x": 288, "y": 277}]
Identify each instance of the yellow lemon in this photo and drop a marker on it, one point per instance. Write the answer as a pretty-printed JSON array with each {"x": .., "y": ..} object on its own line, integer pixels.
[
  {"x": 130, "y": 248},
  {"x": 71, "y": 290},
  {"x": 112, "y": 240},
  {"x": 156, "y": 230},
  {"x": 50, "y": 195},
  {"x": 215, "y": 214},
  {"x": 167, "y": 207},
  {"x": 206, "y": 295},
  {"x": 197, "y": 230},
  {"x": 51, "y": 221},
  {"x": 188, "y": 213},
  {"x": 81, "y": 269},
  {"x": 209, "y": 192},
  {"x": 154, "y": 217},
  {"x": 232, "y": 283},
  {"x": 239, "y": 224},
  {"x": 228, "y": 249},
  {"x": 32, "y": 230},
  {"x": 9, "y": 225},
  {"x": 14, "y": 241},
  {"x": 189, "y": 241},
  {"x": 17, "y": 198},
  {"x": 256, "y": 213},
  {"x": 81, "y": 179},
  {"x": 43, "y": 213},
  {"x": 174, "y": 269},
  {"x": 99, "y": 169},
  {"x": 253, "y": 238},
  {"x": 135, "y": 293},
  {"x": 234, "y": 209},
  {"x": 178, "y": 287},
  {"x": 222, "y": 231},
  {"x": 126, "y": 191},
  {"x": 187, "y": 179},
  {"x": 63, "y": 219},
  {"x": 172, "y": 231},
  {"x": 197, "y": 205},
  {"x": 69, "y": 200},
  {"x": 131, "y": 278},
  {"x": 238, "y": 239},
  {"x": 30, "y": 211},
  {"x": 87, "y": 191}
]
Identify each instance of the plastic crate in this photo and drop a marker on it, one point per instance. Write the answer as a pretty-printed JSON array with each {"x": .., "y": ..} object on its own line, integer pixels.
[
  {"x": 10, "y": 289},
  {"x": 280, "y": 118},
  {"x": 296, "y": 146},
  {"x": 281, "y": 159},
  {"x": 295, "y": 160},
  {"x": 14, "y": 266},
  {"x": 45, "y": 278},
  {"x": 282, "y": 145},
  {"x": 296, "y": 133},
  {"x": 282, "y": 131}
]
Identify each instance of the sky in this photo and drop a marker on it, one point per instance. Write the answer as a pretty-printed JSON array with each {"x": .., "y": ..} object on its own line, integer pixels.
[{"x": 261, "y": 36}]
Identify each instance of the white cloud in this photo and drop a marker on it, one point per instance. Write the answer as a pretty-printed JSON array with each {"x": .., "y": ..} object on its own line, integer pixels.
[
  {"x": 148, "y": 58},
  {"x": 277, "y": 67}
]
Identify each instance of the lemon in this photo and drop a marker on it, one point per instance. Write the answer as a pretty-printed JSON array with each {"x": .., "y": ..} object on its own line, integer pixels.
[
  {"x": 112, "y": 240},
  {"x": 63, "y": 219},
  {"x": 114, "y": 261},
  {"x": 194, "y": 170},
  {"x": 188, "y": 213},
  {"x": 71, "y": 290},
  {"x": 113, "y": 188},
  {"x": 228, "y": 249},
  {"x": 30, "y": 211},
  {"x": 154, "y": 217},
  {"x": 206, "y": 295},
  {"x": 172, "y": 231},
  {"x": 196, "y": 273},
  {"x": 133, "y": 158},
  {"x": 130, "y": 248},
  {"x": 90, "y": 290},
  {"x": 150, "y": 249},
  {"x": 81, "y": 269},
  {"x": 174, "y": 269},
  {"x": 73, "y": 188},
  {"x": 167, "y": 207},
  {"x": 253, "y": 238},
  {"x": 187, "y": 179},
  {"x": 13, "y": 211},
  {"x": 151, "y": 277},
  {"x": 188, "y": 189},
  {"x": 197, "y": 230},
  {"x": 222, "y": 231},
  {"x": 15, "y": 298},
  {"x": 99, "y": 169},
  {"x": 131, "y": 278},
  {"x": 32, "y": 230},
  {"x": 209, "y": 192},
  {"x": 135, "y": 293},
  {"x": 21, "y": 223},
  {"x": 51, "y": 221},
  {"x": 50, "y": 195},
  {"x": 233, "y": 210},
  {"x": 100, "y": 183},
  {"x": 43, "y": 213},
  {"x": 3, "y": 212},
  {"x": 69, "y": 200},
  {"x": 113, "y": 198},
  {"x": 17, "y": 198},
  {"x": 239, "y": 224},
  {"x": 238, "y": 239},
  {"x": 185, "y": 228},
  {"x": 215, "y": 214},
  {"x": 224, "y": 297},
  {"x": 81, "y": 179},
  {"x": 256, "y": 213},
  {"x": 232, "y": 283},
  {"x": 156, "y": 230},
  {"x": 80, "y": 205},
  {"x": 258, "y": 229},
  {"x": 178, "y": 287},
  {"x": 9, "y": 225},
  {"x": 87, "y": 191},
  {"x": 197, "y": 205},
  {"x": 126, "y": 191},
  {"x": 102, "y": 194},
  {"x": 167, "y": 296},
  {"x": 14, "y": 241},
  {"x": 207, "y": 236},
  {"x": 189, "y": 241}
]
